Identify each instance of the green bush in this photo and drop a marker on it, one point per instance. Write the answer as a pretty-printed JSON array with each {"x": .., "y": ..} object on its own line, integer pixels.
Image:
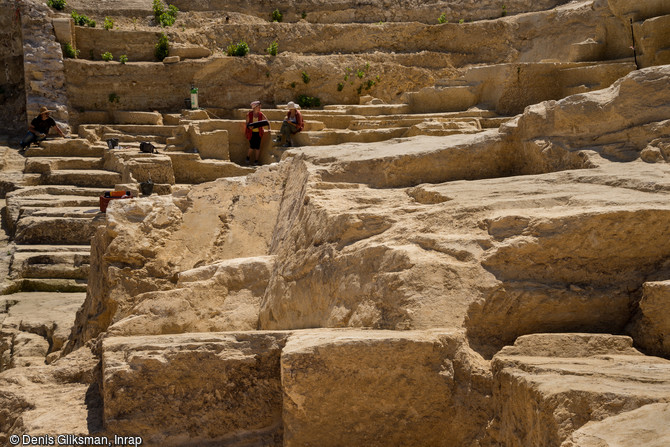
[
  {"x": 340, "y": 86},
  {"x": 113, "y": 98},
  {"x": 303, "y": 15},
  {"x": 504, "y": 10},
  {"x": 162, "y": 16},
  {"x": 276, "y": 16},
  {"x": 107, "y": 56},
  {"x": 240, "y": 49},
  {"x": 57, "y": 4},
  {"x": 158, "y": 9},
  {"x": 69, "y": 51},
  {"x": 308, "y": 101},
  {"x": 442, "y": 18},
  {"x": 82, "y": 20},
  {"x": 162, "y": 47},
  {"x": 123, "y": 59},
  {"x": 305, "y": 77},
  {"x": 273, "y": 49},
  {"x": 109, "y": 23},
  {"x": 461, "y": 21}
]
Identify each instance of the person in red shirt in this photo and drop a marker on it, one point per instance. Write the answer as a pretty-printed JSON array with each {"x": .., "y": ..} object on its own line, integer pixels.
[
  {"x": 256, "y": 122},
  {"x": 39, "y": 129},
  {"x": 291, "y": 125}
]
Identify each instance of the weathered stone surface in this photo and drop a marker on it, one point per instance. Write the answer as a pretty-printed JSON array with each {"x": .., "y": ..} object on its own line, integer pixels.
[
  {"x": 378, "y": 388},
  {"x": 234, "y": 395},
  {"x": 29, "y": 405},
  {"x": 651, "y": 325},
  {"x": 225, "y": 296},
  {"x": 542, "y": 400},
  {"x": 189, "y": 51},
  {"x": 33, "y": 325},
  {"x": 648, "y": 426},
  {"x": 13, "y": 120},
  {"x": 142, "y": 248},
  {"x": 135, "y": 166}
]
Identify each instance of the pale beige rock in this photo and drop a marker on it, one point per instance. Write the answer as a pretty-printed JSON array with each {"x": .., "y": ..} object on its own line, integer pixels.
[
  {"x": 142, "y": 248},
  {"x": 64, "y": 30},
  {"x": 224, "y": 296},
  {"x": 135, "y": 166},
  {"x": 233, "y": 397},
  {"x": 131, "y": 117},
  {"x": 541, "y": 401},
  {"x": 189, "y": 51},
  {"x": 33, "y": 325},
  {"x": 377, "y": 388},
  {"x": 651, "y": 326},
  {"x": 648, "y": 426},
  {"x": 171, "y": 60},
  {"x": 29, "y": 404}
]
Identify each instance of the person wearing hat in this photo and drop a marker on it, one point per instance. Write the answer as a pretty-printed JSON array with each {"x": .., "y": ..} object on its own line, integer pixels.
[
  {"x": 39, "y": 129},
  {"x": 291, "y": 125},
  {"x": 254, "y": 132}
]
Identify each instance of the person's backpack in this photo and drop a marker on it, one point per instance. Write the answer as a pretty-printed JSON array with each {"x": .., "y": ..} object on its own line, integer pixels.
[{"x": 147, "y": 147}]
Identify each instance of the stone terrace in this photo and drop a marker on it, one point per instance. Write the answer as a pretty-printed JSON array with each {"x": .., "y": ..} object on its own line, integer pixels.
[{"x": 234, "y": 301}]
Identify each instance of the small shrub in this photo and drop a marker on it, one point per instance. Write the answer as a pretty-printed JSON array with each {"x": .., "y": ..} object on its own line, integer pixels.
[
  {"x": 360, "y": 74},
  {"x": 461, "y": 21},
  {"x": 69, "y": 51},
  {"x": 162, "y": 47},
  {"x": 107, "y": 56},
  {"x": 109, "y": 23},
  {"x": 359, "y": 90},
  {"x": 164, "y": 17},
  {"x": 123, "y": 59},
  {"x": 369, "y": 84},
  {"x": 292, "y": 84},
  {"x": 113, "y": 98},
  {"x": 82, "y": 20},
  {"x": 504, "y": 11},
  {"x": 158, "y": 9},
  {"x": 57, "y": 4},
  {"x": 276, "y": 16},
  {"x": 305, "y": 77},
  {"x": 308, "y": 101},
  {"x": 168, "y": 17},
  {"x": 442, "y": 19},
  {"x": 340, "y": 86},
  {"x": 273, "y": 49},
  {"x": 303, "y": 15},
  {"x": 240, "y": 49}
]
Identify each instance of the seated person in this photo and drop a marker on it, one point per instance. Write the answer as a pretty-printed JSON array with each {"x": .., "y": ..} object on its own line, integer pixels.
[
  {"x": 291, "y": 125},
  {"x": 39, "y": 129}
]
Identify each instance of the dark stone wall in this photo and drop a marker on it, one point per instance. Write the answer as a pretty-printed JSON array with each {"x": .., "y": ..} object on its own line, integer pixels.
[{"x": 12, "y": 85}]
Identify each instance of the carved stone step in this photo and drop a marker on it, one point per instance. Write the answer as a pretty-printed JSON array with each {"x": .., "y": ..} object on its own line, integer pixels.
[{"x": 90, "y": 178}]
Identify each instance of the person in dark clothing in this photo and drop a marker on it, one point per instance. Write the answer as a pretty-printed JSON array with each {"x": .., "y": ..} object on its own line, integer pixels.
[{"x": 39, "y": 129}]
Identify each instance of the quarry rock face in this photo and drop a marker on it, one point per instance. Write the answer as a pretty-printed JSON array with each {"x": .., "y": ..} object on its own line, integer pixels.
[
  {"x": 417, "y": 270},
  {"x": 542, "y": 395}
]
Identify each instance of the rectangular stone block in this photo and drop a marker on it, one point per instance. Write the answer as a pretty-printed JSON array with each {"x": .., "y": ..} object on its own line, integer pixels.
[
  {"x": 547, "y": 386},
  {"x": 195, "y": 389},
  {"x": 370, "y": 388}
]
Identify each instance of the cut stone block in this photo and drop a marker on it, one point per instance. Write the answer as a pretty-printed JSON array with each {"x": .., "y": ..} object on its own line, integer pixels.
[
  {"x": 233, "y": 397},
  {"x": 648, "y": 426},
  {"x": 548, "y": 386},
  {"x": 372, "y": 388}
]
